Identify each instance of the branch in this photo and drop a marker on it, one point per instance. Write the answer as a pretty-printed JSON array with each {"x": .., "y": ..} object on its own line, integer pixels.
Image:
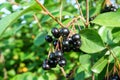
[
  {"x": 49, "y": 13},
  {"x": 75, "y": 20},
  {"x": 87, "y": 13},
  {"x": 61, "y": 6},
  {"x": 79, "y": 8},
  {"x": 63, "y": 71}
]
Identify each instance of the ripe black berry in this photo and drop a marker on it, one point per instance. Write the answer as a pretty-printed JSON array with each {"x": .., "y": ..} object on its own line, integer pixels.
[
  {"x": 109, "y": 8},
  {"x": 76, "y": 37},
  {"x": 62, "y": 62},
  {"x": 52, "y": 63},
  {"x": 55, "y": 32},
  {"x": 64, "y": 32},
  {"x": 77, "y": 44},
  {"x": 65, "y": 43},
  {"x": 45, "y": 65},
  {"x": 52, "y": 56},
  {"x": 70, "y": 40},
  {"x": 49, "y": 38},
  {"x": 58, "y": 54},
  {"x": 66, "y": 49}
]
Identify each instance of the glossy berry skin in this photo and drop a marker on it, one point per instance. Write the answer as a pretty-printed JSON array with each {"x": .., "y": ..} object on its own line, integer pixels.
[
  {"x": 62, "y": 62},
  {"x": 64, "y": 32},
  {"x": 49, "y": 38},
  {"x": 52, "y": 56},
  {"x": 52, "y": 63},
  {"x": 76, "y": 37},
  {"x": 70, "y": 40},
  {"x": 55, "y": 32},
  {"x": 65, "y": 43},
  {"x": 58, "y": 54},
  {"x": 66, "y": 49},
  {"x": 45, "y": 65},
  {"x": 109, "y": 8},
  {"x": 77, "y": 44}
]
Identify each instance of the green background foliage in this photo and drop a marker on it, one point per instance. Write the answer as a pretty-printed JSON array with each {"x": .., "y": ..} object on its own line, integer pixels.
[{"x": 23, "y": 48}]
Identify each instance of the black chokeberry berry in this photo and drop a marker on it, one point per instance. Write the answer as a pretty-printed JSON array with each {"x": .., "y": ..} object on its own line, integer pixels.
[
  {"x": 55, "y": 32},
  {"x": 45, "y": 65},
  {"x": 66, "y": 49},
  {"x": 76, "y": 37},
  {"x": 62, "y": 62},
  {"x": 70, "y": 40},
  {"x": 49, "y": 38},
  {"x": 64, "y": 32},
  {"x": 65, "y": 43},
  {"x": 77, "y": 43},
  {"x": 55, "y": 42},
  {"x": 52, "y": 56},
  {"x": 52, "y": 63},
  {"x": 58, "y": 54}
]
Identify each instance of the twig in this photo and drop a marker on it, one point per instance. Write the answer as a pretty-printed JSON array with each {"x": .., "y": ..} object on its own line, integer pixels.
[
  {"x": 92, "y": 61},
  {"x": 37, "y": 20},
  {"x": 79, "y": 8},
  {"x": 5, "y": 73},
  {"x": 61, "y": 6},
  {"x": 87, "y": 13},
  {"x": 49, "y": 13},
  {"x": 63, "y": 71},
  {"x": 75, "y": 20}
]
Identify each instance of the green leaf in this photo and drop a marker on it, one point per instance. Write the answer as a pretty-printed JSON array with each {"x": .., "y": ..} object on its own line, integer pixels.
[
  {"x": 116, "y": 35},
  {"x": 80, "y": 75},
  {"x": 116, "y": 52},
  {"x": 10, "y": 19},
  {"x": 40, "y": 39},
  {"x": 100, "y": 64},
  {"x": 91, "y": 41},
  {"x": 85, "y": 64},
  {"x": 111, "y": 19}
]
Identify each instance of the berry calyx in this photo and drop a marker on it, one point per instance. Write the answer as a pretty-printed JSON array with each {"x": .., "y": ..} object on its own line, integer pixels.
[
  {"x": 55, "y": 32},
  {"x": 49, "y": 38}
]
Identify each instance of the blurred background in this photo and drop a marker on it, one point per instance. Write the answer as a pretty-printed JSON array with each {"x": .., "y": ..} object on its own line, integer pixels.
[{"x": 22, "y": 46}]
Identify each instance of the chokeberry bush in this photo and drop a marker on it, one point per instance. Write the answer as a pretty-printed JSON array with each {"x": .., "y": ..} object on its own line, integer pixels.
[{"x": 59, "y": 40}]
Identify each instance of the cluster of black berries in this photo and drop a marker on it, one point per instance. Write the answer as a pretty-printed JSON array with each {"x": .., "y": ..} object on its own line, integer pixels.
[
  {"x": 54, "y": 59},
  {"x": 113, "y": 77},
  {"x": 62, "y": 42},
  {"x": 67, "y": 43},
  {"x": 109, "y": 8}
]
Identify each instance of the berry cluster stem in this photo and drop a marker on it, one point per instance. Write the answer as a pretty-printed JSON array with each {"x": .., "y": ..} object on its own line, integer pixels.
[
  {"x": 63, "y": 71},
  {"x": 37, "y": 20},
  {"x": 75, "y": 20},
  {"x": 43, "y": 7},
  {"x": 61, "y": 7},
  {"x": 79, "y": 8},
  {"x": 87, "y": 13}
]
